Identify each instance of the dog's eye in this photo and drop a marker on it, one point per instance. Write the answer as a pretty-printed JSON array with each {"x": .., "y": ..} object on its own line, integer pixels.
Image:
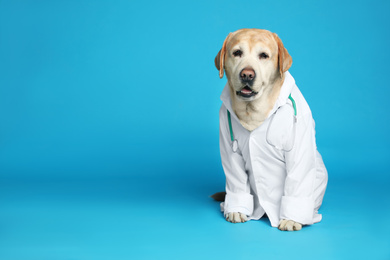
[
  {"x": 263, "y": 55},
  {"x": 237, "y": 53}
]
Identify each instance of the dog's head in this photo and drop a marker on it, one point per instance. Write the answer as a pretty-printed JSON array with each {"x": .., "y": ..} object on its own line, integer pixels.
[{"x": 252, "y": 59}]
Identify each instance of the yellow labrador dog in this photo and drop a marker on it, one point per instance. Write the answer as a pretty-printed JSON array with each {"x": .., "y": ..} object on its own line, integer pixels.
[{"x": 267, "y": 137}]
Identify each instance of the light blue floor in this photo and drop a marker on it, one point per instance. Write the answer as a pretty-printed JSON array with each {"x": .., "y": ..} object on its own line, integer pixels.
[{"x": 171, "y": 217}]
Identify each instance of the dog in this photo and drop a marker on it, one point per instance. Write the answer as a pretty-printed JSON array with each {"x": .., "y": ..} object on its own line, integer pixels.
[{"x": 267, "y": 137}]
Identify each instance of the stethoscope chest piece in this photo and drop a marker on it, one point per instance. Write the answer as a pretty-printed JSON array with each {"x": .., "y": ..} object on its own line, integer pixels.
[{"x": 235, "y": 145}]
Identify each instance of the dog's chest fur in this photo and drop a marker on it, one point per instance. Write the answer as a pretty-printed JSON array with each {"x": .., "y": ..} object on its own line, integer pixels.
[{"x": 252, "y": 114}]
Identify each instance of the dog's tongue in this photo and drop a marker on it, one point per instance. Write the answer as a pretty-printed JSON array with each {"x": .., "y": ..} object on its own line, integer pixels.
[{"x": 246, "y": 91}]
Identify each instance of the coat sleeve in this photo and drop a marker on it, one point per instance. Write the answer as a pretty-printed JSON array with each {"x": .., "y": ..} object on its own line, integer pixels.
[
  {"x": 238, "y": 197},
  {"x": 298, "y": 200}
]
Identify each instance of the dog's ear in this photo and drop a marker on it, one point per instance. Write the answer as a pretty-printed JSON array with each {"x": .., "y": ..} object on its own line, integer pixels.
[
  {"x": 284, "y": 59},
  {"x": 220, "y": 58}
]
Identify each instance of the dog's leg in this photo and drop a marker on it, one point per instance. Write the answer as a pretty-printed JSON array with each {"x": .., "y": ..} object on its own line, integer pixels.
[
  {"x": 289, "y": 225},
  {"x": 236, "y": 217}
]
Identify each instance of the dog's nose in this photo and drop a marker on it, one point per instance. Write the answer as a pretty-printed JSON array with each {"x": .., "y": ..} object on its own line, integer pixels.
[{"x": 247, "y": 74}]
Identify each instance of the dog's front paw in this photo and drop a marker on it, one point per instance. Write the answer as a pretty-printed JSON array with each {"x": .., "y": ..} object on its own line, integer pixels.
[
  {"x": 236, "y": 217},
  {"x": 289, "y": 225}
]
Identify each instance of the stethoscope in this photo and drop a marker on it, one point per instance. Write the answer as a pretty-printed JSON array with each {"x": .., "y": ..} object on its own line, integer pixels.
[{"x": 234, "y": 144}]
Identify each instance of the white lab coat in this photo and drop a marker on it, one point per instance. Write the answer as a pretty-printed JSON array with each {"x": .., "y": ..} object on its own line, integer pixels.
[{"x": 261, "y": 178}]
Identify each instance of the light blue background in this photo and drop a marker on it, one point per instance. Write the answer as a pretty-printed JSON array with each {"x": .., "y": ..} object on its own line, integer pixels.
[{"x": 109, "y": 128}]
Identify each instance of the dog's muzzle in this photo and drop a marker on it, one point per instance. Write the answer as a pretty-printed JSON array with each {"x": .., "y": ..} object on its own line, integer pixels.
[{"x": 247, "y": 76}]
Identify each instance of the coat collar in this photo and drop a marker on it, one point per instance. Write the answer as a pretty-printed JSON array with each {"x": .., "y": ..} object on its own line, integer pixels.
[{"x": 285, "y": 91}]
